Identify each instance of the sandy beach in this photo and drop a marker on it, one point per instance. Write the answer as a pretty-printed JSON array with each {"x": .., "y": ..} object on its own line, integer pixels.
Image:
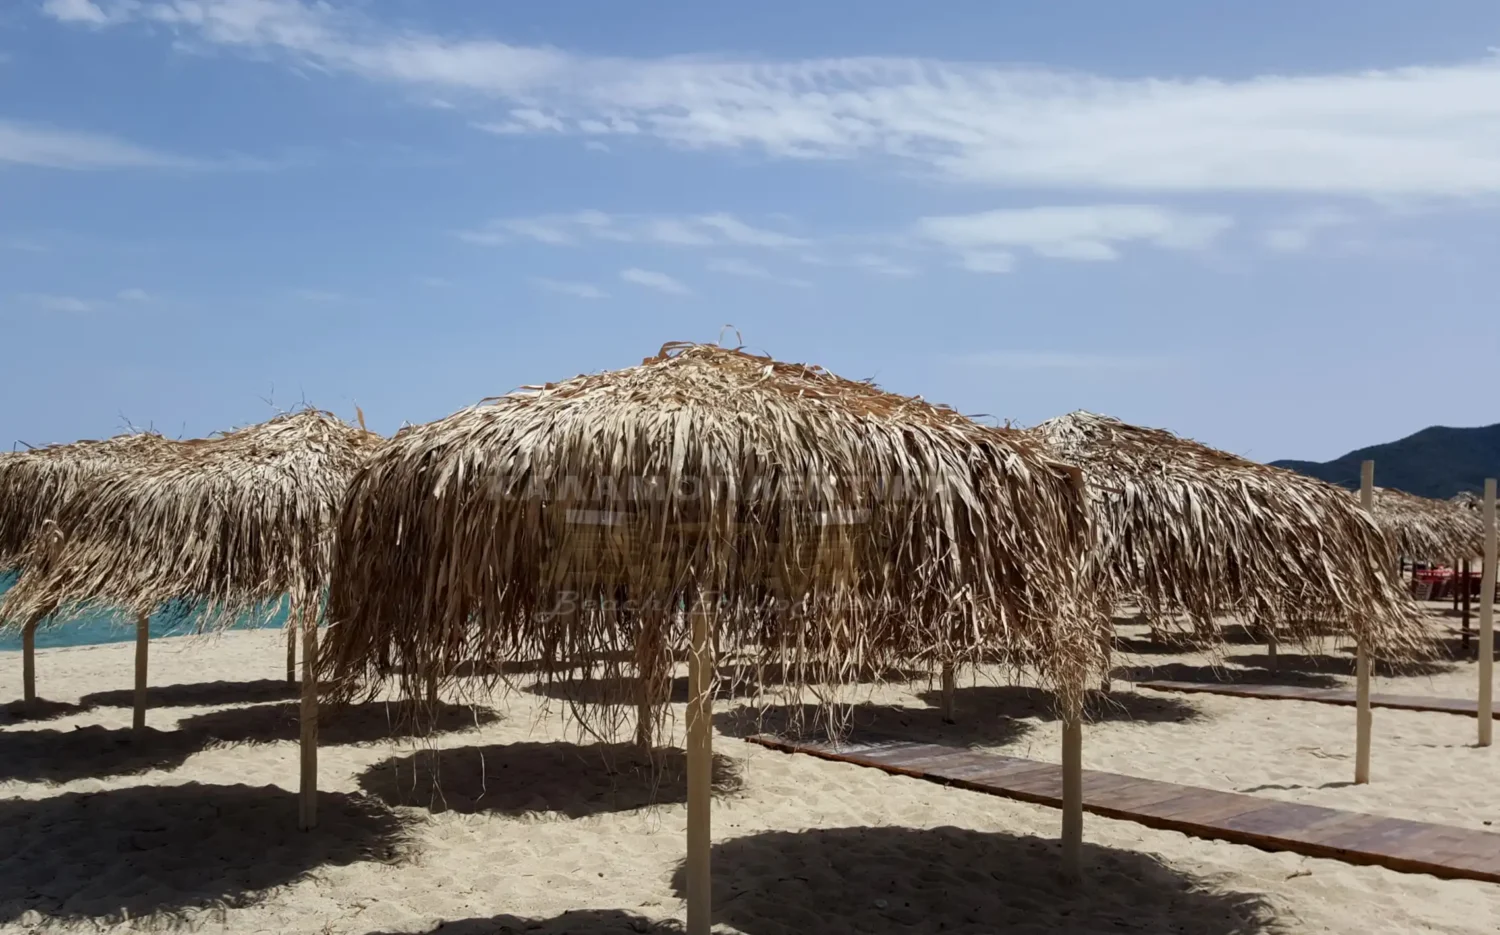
[{"x": 536, "y": 829}]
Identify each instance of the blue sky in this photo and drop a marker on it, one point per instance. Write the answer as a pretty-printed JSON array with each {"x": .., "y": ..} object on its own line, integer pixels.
[{"x": 1271, "y": 227}]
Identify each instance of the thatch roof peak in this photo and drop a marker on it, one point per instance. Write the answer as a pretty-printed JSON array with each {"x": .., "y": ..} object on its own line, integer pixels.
[
  {"x": 734, "y": 380},
  {"x": 858, "y": 524},
  {"x": 228, "y": 523}
]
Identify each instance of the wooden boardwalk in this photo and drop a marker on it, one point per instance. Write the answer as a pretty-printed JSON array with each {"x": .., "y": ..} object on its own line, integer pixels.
[
  {"x": 1408, "y": 846},
  {"x": 1338, "y": 696}
]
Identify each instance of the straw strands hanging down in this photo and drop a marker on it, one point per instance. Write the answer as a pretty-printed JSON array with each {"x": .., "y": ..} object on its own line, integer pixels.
[
  {"x": 820, "y": 522},
  {"x": 35, "y": 483},
  {"x": 1187, "y": 528},
  {"x": 1426, "y": 529},
  {"x": 224, "y": 525}
]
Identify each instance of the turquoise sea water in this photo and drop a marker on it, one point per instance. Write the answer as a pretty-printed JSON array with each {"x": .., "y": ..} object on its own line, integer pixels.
[{"x": 108, "y": 627}]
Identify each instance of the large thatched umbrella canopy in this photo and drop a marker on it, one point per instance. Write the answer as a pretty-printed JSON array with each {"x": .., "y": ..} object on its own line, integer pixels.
[
  {"x": 229, "y": 524},
  {"x": 1185, "y": 527},
  {"x": 36, "y": 482},
  {"x": 815, "y": 518},
  {"x": 1424, "y": 529}
]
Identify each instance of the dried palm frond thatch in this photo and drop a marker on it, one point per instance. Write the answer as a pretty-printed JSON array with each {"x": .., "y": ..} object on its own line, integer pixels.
[
  {"x": 818, "y": 521},
  {"x": 35, "y": 483},
  {"x": 1424, "y": 529},
  {"x": 225, "y": 525},
  {"x": 1188, "y": 528}
]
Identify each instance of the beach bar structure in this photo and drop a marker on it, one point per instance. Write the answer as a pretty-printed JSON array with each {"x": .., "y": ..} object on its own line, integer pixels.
[
  {"x": 35, "y": 485},
  {"x": 770, "y": 510},
  {"x": 228, "y": 526}
]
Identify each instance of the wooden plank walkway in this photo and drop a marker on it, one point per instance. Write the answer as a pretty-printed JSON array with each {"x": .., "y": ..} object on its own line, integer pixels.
[
  {"x": 1407, "y": 846},
  {"x": 1338, "y": 696}
]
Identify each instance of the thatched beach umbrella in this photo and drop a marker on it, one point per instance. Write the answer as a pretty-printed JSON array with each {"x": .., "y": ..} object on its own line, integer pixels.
[
  {"x": 1424, "y": 529},
  {"x": 1187, "y": 528},
  {"x": 1184, "y": 527},
  {"x": 230, "y": 525},
  {"x": 804, "y": 519},
  {"x": 35, "y": 484}
]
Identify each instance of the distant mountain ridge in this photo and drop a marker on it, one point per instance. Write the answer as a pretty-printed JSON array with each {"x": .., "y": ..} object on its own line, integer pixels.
[{"x": 1436, "y": 462}]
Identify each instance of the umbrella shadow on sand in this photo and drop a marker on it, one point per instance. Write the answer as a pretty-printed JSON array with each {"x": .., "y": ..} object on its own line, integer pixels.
[
  {"x": 736, "y": 681},
  {"x": 175, "y": 851},
  {"x": 818, "y": 722},
  {"x": 20, "y": 712},
  {"x": 90, "y": 753},
  {"x": 954, "y": 880},
  {"x": 1342, "y": 664},
  {"x": 1019, "y": 701},
  {"x": 572, "y": 922},
  {"x": 1182, "y": 672},
  {"x": 532, "y": 778},
  {"x": 199, "y": 694},
  {"x": 368, "y": 722}
]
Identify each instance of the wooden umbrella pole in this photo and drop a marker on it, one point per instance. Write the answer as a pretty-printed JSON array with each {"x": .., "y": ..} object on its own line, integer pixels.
[
  {"x": 28, "y": 660},
  {"x": 1465, "y": 586},
  {"x": 950, "y": 680},
  {"x": 307, "y": 804},
  {"x": 1487, "y": 622},
  {"x": 1455, "y": 585},
  {"x": 700, "y": 776},
  {"x": 1072, "y": 776},
  {"x": 142, "y": 640},
  {"x": 291, "y": 654},
  {"x": 1362, "y": 715}
]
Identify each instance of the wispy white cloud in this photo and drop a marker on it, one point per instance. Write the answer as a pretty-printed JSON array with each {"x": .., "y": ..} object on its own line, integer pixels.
[
  {"x": 25, "y": 144},
  {"x": 1063, "y": 360},
  {"x": 1422, "y": 130},
  {"x": 66, "y": 304},
  {"x": 1068, "y": 232},
  {"x": 881, "y": 265},
  {"x": 661, "y": 282},
  {"x": 578, "y": 290},
  {"x": 76, "y": 11},
  {"x": 1298, "y": 232},
  {"x": 133, "y": 295},
  {"x": 987, "y": 261},
  {"x": 703, "y": 230},
  {"x": 734, "y": 266},
  {"x": 321, "y": 296}
]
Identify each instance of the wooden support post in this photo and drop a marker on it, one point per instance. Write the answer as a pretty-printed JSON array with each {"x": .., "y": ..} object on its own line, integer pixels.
[
  {"x": 1465, "y": 586},
  {"x": 700, "y": 775},
  {"x": 1455, "y": 585},
  {"x": 1271, "y": 647},
  {"x": 1072, "y": 776},
  {"x": 949, "y": 686},
  {"x": 291, "y": 654},
  {"x": 1362, "y": 716},
  {"x": 1487, "y": 622},
  {"x": 142, "y": 640},
  {"x": 28, "y": 661},
  {"x": 307, "y": 802}
]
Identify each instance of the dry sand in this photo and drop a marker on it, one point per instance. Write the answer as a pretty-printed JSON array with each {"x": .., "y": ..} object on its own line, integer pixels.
[{"x": 194, "y": 829}]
